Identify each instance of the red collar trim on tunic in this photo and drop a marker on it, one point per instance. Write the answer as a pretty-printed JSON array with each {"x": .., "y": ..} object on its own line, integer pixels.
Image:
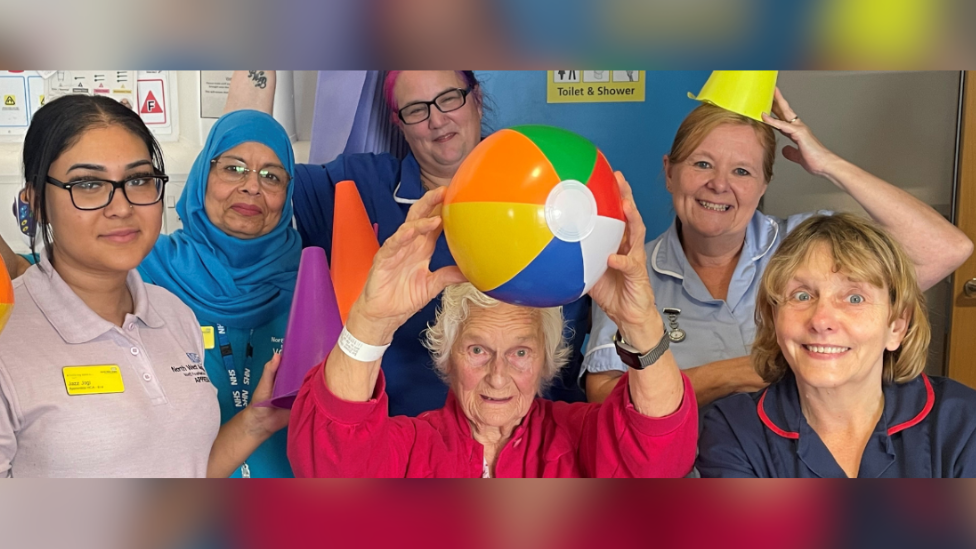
[
  {"x": 929, "y": 404},
  {"x": 769, "y": 423}
]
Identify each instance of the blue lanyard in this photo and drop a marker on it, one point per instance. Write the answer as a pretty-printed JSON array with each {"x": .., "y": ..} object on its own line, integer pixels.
[{"x": 240, "y": 386}]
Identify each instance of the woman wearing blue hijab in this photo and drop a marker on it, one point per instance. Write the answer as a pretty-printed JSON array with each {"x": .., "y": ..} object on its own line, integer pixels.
[{"x": 235, "y": 262}]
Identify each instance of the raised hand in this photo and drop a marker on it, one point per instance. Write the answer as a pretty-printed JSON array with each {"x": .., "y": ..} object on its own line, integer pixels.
[
  {"x": 624, "y": 291},
  {"x": 251, "y": 90},
  {"x": 241, "y": 436},
  {"x": 808, "y": 151},
  {"x": 400, "y": 282}
]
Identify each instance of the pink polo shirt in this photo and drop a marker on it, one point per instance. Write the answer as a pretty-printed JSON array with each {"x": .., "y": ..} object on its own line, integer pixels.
[
  {"x": 161, "y": 425},
  {"x": 330, "y": 437}
]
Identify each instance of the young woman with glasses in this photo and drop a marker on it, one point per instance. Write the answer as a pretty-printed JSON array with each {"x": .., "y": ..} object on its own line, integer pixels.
[{"x": 100, "y": 373}]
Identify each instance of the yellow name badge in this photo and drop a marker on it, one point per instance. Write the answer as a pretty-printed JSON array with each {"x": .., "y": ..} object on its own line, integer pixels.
[
  {"x": 208, "y": 336},
  {"x": 93, "y": 380}
]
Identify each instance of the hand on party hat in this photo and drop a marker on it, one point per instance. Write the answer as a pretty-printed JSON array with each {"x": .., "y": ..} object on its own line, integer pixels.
[{"x": 808, "y": 151}]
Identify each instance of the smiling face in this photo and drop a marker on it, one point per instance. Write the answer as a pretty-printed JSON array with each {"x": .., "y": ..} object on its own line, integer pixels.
[
  {"x": 833, "y": 330},
  {"x": 442, "y": 141},
  {"x": 497, "y": 363},
  {"x": 716, "y": 190},
  {"x": 248, "y": 208},
  {"x": 115, "y": 238}
]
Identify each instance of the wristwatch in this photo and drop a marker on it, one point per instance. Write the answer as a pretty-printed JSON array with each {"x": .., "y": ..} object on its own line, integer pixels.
[{"x": 632, "y": 357}]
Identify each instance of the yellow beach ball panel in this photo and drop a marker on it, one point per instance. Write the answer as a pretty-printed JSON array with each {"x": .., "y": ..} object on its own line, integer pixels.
[
  {"x": 493, "y": 241},
  {"x": 6, "y": 296},
  {"x": 5, "y": 310}
]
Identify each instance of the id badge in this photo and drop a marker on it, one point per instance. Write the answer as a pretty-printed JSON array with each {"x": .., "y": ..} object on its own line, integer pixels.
[
  {"x": 93, "y": 380},
  {"x": 208, "y": 337}
]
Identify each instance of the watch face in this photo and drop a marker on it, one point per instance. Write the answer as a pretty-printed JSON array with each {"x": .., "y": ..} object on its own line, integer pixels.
[{"x": 631, "y": 359}]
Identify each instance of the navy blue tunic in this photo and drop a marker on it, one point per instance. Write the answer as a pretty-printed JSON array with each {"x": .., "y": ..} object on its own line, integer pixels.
[
  {"x": 388, "y": 188},
  {"x": 926, "y": 431}
]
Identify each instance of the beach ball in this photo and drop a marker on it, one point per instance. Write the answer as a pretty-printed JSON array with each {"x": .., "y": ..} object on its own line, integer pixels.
[
  {"x": 6, "y": 295},
  {"x": 532, "y": 215}
]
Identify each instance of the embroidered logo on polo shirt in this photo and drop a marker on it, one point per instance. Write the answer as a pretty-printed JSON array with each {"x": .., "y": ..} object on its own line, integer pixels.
[
  {"x": 196, "y": 370},
  {"x": 193, "y": 357}
]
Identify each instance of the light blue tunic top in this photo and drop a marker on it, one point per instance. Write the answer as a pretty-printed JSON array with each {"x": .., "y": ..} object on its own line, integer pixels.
[{"x": 715, "y": 329}]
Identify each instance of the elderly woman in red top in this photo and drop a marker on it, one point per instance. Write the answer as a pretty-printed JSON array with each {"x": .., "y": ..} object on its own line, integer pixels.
[{"x": 496, "y": 358}]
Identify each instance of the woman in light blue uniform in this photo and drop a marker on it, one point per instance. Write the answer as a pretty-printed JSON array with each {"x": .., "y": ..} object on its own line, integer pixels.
[
  {"x": 706, "y": 267},
  {"x": 235, "y": 261},
  {"x": 714, "y": 329}
]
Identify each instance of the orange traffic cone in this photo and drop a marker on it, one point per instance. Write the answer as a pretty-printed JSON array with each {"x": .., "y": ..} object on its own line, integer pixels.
[{"x": 354, "y": 244}]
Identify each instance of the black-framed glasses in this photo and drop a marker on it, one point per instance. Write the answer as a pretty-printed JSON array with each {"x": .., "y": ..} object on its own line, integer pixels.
[
  {"x": 231, "y": 170},
  {"x": 447, "y": 101},
  {"x": 92, "y": 194}
]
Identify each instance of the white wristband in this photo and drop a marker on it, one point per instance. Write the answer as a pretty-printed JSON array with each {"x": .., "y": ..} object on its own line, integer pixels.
[{"x": 357, "y": 350}]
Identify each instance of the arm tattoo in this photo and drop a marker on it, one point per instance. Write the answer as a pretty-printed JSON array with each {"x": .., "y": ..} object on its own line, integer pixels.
[{"x": 260, "y": 80}]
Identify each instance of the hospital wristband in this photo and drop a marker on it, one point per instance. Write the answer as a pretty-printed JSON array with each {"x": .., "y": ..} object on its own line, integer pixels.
[{"x": 357, "y": 350}]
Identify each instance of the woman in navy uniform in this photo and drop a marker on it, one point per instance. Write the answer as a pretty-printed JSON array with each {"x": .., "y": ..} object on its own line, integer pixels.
[{"x": 842, "y": 337}]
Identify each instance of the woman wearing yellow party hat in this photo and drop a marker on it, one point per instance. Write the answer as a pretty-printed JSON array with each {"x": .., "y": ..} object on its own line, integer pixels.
[{"x": 705, "y": 269}]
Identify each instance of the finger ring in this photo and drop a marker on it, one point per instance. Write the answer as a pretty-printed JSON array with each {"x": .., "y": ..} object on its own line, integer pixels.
[{"x": 794, "y": 119}]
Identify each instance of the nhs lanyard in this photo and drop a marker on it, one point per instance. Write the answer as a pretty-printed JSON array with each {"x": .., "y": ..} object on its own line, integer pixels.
[{"x": 240, "y": 386}]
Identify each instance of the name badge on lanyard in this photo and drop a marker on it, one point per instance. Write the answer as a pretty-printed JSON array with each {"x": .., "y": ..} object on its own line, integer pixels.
[
  {"x": 208, "y": 337},
  {"x": 240, "y": 382}
]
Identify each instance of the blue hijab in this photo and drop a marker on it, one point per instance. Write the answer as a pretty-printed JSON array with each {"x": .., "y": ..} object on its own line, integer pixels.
[{"x": 241, "y": 283}]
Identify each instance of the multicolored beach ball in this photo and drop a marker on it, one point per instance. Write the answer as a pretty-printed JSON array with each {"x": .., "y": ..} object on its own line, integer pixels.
[
  {"x": 532, "y": 215},
  {"x": 6, "y": 296}
]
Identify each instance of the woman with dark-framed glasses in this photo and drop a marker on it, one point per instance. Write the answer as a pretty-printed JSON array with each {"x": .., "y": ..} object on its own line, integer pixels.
[
  {"x": 440, "y": 114},
  {"x": 102, "y": 374}
]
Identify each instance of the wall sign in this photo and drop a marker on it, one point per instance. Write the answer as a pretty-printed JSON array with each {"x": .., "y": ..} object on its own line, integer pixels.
[
  {"x": 21, "y": 94},
  {"x": 576, "y": 86}
]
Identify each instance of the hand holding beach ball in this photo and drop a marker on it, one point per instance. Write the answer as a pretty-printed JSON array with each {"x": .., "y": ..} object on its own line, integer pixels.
[{"x": 532, "y": 215}]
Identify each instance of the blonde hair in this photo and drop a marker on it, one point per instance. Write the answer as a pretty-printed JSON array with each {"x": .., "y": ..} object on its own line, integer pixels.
[
  {"x": 457, "y": 302},
  {"x": 705, "y": 118},
  {"x": 868, "y": 254}
]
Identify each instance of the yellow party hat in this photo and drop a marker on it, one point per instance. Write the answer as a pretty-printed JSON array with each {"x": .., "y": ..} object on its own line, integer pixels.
[{"x": 749, "y": 93}]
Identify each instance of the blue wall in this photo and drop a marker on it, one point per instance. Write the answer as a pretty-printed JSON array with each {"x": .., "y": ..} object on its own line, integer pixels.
[{"x": 633, "y": 136}]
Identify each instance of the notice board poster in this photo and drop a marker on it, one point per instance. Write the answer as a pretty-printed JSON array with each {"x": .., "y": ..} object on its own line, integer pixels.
[{"x": 21, "y": 94}]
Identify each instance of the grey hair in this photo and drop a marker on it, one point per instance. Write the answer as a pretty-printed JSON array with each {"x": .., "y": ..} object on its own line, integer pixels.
[{"x": 456, "y": 303}]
